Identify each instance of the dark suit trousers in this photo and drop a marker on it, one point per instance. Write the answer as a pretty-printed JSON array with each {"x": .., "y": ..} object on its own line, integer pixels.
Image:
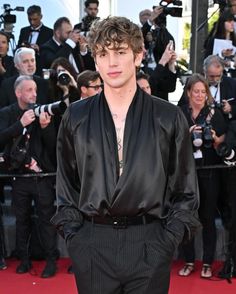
[
  {"x": 42, "y": 192},
  {"x": 133, "y": 260}
]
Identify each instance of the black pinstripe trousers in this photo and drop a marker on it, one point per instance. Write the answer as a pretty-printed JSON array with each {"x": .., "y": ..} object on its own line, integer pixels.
[{"x": 133, "y": 260}]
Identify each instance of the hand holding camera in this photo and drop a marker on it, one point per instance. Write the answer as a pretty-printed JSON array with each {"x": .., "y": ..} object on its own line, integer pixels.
[
  {"x": 44, "y": 119},
  {"x": 27, "y": 118}
]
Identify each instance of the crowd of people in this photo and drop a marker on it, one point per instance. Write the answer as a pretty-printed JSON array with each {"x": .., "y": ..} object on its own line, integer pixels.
[{"x": 105, "y": 179}]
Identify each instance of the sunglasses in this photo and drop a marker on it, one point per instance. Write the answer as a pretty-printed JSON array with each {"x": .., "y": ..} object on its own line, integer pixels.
[{"x": 96, "y": 88}]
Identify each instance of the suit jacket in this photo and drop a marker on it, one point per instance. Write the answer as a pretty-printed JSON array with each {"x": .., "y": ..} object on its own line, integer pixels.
[
  {"x": 51, "y": 50},
  {"x": 45, "y": 34},
  {"x": 162, "y": 81},
  {"x": 8, "y": 96}
]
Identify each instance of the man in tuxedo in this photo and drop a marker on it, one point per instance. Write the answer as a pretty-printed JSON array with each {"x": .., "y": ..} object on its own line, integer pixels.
[
  {"x": 24, "y": 61},
  {"x": 67, "y": 43},
  {"x": 36, "y": 34}
]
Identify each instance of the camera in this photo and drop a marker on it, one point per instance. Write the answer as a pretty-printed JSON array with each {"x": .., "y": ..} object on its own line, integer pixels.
[
  {"x": 172, "y": 11},
  {"x": 203, "y": 138},
  {"x": 227, "y": 153},
  {"x": 63, "y": 78},
  {"x": 55, "y": 108},
  {"x": 8, "y": 19},
  {"x": 85, "y": 25}
]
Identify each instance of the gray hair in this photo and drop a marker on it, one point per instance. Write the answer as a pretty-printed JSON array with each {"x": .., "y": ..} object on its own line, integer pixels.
[
  {"x": 22, "y": 51},
  {"x": 21, "y": 79},
  {"x": 212, "y": 60}
]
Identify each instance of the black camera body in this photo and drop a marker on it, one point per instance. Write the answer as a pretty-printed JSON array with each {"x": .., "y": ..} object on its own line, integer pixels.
[
  {"x": 7, "y": 16},
  {"x": 203, "y": 138},
  {"x": 86, "y": 24},
  {"x": 228, "y": 154},
  {"x": 172, "y": 11}
]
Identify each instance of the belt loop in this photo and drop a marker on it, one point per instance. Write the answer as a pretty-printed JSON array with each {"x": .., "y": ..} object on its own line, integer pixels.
[
  {"x": 92, "y": 220},
  {"x": 144, "y": 220}
]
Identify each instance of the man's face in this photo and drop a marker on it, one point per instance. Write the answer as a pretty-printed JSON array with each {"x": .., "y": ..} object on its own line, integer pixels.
[
  {"x": 26, "y": 93},
  {"x": 63, "y": 32},
  {"x": 27, "y": 65},
  {"x": 144, "y": 85},
  {"x": 3, "y": 45},
  {"x": 214, "y": 74},
  {"x": 117, "y": 67},
  {"x": 35, "y": 20},
  {"x": 92, "y": 9},
  {"x": 233, "y": 6},
  {"x": 92, "y": 89}
]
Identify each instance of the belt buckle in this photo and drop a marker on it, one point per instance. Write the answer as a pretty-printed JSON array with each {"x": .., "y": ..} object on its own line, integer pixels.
[{"x": 119, "y": 222}]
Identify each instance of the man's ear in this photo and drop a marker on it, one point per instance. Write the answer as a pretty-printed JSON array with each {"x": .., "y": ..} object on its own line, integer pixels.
[
  {"x": 83, "y": 89},
  {"x": 138, "y": 59}
]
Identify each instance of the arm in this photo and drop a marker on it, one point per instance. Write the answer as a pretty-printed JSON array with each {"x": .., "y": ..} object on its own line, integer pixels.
[
  {"x": 68, "y": 218},
  {"x": 182, "y": 182}
]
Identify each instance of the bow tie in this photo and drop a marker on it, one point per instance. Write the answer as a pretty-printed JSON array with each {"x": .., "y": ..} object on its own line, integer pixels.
[{"x": 35, "y": 30}]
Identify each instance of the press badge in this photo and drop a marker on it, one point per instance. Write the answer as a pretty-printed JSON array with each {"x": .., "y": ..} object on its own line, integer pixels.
[{"x": 197, "y": 154}]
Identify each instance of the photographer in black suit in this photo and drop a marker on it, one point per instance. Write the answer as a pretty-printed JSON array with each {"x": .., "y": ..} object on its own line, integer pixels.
[
  {"x": 67, "y": 43},
  {"x": 91, "y": 8},
  {"x": 29, "y": 147},
  {"x": 24, "y": 61},
  {"x": 36, "y": 34}
]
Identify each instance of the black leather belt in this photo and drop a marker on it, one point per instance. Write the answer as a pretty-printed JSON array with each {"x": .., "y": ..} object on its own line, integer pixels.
[{"x": 121, "y": 222}]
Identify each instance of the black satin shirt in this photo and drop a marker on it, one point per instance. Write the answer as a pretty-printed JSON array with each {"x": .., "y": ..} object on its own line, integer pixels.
[{"x": 159, "y": 171}]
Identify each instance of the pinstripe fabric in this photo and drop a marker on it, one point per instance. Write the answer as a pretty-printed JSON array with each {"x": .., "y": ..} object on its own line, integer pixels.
[{"x": 135, "y": 260}]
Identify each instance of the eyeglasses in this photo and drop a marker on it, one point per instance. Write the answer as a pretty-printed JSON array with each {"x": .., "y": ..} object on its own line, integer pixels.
[{"x": 96, "y": 88}]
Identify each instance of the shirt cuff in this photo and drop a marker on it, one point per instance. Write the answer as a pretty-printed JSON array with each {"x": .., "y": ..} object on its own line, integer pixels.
[{"x": 71, "y": 43}]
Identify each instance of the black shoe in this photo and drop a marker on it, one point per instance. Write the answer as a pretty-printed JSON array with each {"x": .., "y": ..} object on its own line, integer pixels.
[
  {"x": 227, "y": 272},
  {"x": 70, "y": 270},
  {"x": 24, "y": 267},
  {"x": 3, "y": 265},
  {"x": 49, "y": 270}
]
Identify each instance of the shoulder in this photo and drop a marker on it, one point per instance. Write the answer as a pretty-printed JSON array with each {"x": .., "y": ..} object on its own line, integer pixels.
[
  {"x": 9, "y": 81},
  {"x": 25, "y": 29},
  {"x": 46, "y": 29}
]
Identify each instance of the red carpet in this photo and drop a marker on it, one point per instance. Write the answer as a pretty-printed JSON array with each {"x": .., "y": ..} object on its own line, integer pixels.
[{"x": 63, "y": 283}]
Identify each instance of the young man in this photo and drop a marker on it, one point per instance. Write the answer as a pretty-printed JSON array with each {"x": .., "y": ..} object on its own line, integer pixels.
[{"x": 126, "y": 191}]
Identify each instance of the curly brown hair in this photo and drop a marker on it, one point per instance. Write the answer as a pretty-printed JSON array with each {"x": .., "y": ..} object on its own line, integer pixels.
[{"x": 112, "y": 32}]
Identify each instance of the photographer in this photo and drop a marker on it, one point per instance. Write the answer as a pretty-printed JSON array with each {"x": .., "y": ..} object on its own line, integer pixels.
[
  {"x": 91, "y": 8},
  {"x": 29, "y": 145},
  {"x": 67, "y": 42},
  {"x": 207, "y": 127},
  {"x": 160, "y": 56}
]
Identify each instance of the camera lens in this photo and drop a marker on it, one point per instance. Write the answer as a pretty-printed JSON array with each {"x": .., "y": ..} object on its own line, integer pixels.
[{"x": 63, "y": 78}]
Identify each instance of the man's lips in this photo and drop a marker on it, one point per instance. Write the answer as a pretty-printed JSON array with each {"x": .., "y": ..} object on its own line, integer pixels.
[{"x": 114, "y": 74}]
